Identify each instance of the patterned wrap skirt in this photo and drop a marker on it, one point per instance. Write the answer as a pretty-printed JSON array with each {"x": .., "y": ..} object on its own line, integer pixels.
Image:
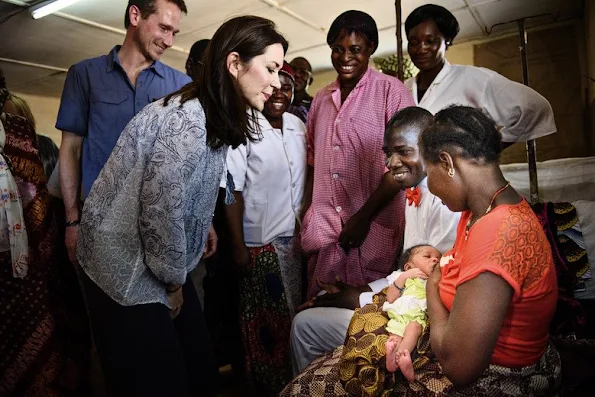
[{"x": 270, "y": 290}]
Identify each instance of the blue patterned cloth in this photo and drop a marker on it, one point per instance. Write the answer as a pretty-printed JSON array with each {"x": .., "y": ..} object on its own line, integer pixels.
[{"x": 146, "y": 220}]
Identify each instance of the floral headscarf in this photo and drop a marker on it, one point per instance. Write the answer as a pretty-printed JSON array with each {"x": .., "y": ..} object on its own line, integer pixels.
[{"x": 13, "y": 234}]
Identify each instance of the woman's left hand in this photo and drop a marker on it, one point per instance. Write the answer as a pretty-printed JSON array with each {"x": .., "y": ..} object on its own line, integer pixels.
[
  {"x": 175, "y": 300},
  {"x": 211, "y": 245},
  {"x": 436, "y": 275},
  {"x": 354, "y": 232}
]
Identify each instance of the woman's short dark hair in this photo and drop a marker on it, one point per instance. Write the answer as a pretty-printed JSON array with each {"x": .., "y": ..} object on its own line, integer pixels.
[
  {"x": 197, "y": 51},
  {"x": 412, "y": 115},
  {"x": 445, "y": 21},
  {"x": 147, "y": 7},
  {"x": 221, "y": 99},
  {"x": 353, "y": 21},
  {"x": 462, "y": 129},
  {"x": 48, "y": 151}
]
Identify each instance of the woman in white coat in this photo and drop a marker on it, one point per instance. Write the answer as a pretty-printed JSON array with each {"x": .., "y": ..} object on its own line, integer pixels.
[{"x": 519, "y": 111}]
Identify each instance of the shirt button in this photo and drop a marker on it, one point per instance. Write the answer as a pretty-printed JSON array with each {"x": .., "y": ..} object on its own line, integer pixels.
[
  {"x": 335, "y": 176},
  {"x": 336, "y": 147},
  {"x": 337, "y": 121},
  {"x": 339, "y": 209},
  {"x": 291, "y": 163},
  {"x": 293, "y": 185}
]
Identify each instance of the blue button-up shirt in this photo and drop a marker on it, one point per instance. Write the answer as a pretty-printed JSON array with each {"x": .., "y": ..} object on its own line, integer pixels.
[{"x": 99, "y": 100}]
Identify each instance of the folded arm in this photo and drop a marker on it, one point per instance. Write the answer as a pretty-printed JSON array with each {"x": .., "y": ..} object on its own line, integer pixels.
[{"x": 464, "y": 339}]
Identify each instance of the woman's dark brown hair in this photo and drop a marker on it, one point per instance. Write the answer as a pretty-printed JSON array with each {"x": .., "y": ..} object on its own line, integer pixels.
[{"x": 224, "y": 105}]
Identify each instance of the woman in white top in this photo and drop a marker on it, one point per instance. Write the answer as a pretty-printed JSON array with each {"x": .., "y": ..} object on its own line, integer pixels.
[
  {"x": 519, "y": 111},
  {"x": 269, "y": 178}
]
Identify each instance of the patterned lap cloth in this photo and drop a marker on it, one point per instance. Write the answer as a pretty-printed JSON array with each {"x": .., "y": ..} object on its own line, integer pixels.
[{"x": 358, "y": 368}]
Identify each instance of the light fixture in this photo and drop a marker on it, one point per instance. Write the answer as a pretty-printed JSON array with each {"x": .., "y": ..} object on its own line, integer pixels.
[{"x": 48, "y": 7}]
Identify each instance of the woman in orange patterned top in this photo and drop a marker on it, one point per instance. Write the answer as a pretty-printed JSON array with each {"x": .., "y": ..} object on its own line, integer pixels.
[{"x": 491, "y": 300}]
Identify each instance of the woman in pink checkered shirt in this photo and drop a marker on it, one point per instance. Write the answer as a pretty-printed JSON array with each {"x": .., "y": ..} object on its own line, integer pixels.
[{"x": 353, "y": 212}]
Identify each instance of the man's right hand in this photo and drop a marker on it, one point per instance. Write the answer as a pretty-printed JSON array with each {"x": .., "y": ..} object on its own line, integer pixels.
[
  {"x": 70, "y": 240},
  {"x": 339, "y": 295}
]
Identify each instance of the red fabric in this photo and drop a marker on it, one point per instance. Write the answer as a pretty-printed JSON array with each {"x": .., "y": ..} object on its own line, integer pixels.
[
  {"x": 345, "y": 148},
  {"x": 510, "y": 243},
  {"x": 413, "y": 196},
  {"x": 287, "y": 70}
]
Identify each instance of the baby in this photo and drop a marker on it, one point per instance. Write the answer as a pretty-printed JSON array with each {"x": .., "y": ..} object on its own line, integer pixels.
[{"x": 406, "y": 306}]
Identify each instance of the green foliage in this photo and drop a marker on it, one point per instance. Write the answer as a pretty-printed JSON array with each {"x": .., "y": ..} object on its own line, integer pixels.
[{"x": 389, "y": 65}]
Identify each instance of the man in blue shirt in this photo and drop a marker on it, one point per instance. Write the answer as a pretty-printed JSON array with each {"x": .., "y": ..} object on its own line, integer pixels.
[{"x": 101, "y": 95}]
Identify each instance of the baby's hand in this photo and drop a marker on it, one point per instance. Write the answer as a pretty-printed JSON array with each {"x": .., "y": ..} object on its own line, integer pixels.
[{"x": 416, "y": 273}]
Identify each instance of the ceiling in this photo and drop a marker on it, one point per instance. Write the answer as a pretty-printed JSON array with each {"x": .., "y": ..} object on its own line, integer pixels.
[{"x": 92, "y": 27}]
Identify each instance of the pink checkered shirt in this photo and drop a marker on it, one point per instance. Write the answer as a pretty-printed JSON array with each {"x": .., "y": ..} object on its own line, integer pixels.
[{"x": 345, "y": 148}]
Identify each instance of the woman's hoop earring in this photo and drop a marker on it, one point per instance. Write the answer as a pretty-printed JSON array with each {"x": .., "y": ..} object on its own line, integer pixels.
[{"x": 451, "y": 172}]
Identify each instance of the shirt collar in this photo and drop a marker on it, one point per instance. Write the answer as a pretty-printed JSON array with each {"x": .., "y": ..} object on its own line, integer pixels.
[
  {"x": 264, "y": 124},
  {"x": 443, "y": 73},
  {"x": 423, "y": 185},
  {"x": 112, "y": 59},
  {"x": 439, "y": 77},
  {"x": 336, "y": 85}
]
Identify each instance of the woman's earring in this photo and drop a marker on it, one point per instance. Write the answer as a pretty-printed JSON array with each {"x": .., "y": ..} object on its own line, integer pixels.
[{"x": 451, "y": 172}]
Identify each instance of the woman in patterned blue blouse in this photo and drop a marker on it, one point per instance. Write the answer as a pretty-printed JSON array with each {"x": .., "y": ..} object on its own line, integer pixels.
[{"x": 147, "y": 217}]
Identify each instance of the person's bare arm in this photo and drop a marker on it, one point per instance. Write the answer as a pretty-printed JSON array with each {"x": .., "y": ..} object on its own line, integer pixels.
[
  {"x": 234, "y": 214},
  {"x": 464, "y": 339},
  {"x": 70, "y": 185}
]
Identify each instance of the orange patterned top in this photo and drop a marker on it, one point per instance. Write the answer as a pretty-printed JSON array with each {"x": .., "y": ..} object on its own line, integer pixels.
[{"x": 510, "y": 243}]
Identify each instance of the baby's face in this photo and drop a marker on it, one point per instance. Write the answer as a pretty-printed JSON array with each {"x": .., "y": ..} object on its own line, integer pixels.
[{"x": 425, "y": 258}]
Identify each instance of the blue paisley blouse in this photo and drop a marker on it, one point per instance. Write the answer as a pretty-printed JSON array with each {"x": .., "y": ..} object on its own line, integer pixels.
[{"x": 146, "y": 219}]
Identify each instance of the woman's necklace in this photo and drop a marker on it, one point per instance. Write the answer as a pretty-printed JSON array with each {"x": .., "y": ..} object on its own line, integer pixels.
[{"x": 503, "y": 188}]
